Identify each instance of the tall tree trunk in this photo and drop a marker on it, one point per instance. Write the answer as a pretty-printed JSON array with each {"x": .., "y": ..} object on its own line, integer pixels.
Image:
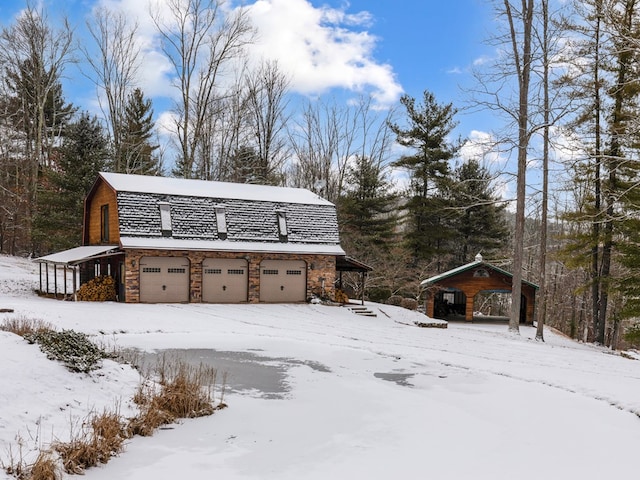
[
  {"x": 523, "y": 70},
  {"x": 614, "y": 161},
  {"x": 597, "y": 202},
  {"x": 542, "y": 295}
]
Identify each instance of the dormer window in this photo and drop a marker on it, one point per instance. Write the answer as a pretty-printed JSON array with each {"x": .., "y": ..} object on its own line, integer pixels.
[
  {"x": 221, "y": 222},
  {"x": 282, "y": 225},
  {"x": 165, "y": 218}
]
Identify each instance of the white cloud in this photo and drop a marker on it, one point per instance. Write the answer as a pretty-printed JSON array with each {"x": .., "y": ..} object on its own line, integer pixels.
[
  {"x": 320, "y": 48},
  {"x": 483, "y": 60},
  {"x": 319, "y": 51},
  {"x": 155, "y": 69},
  {"x": 481, "y": 146}
]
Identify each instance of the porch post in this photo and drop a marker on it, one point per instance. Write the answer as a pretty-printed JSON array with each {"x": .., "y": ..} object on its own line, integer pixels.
[
  {"x": 47, "y": 278},
  {"x": 55, "y": 279},
  {"x": 468, "y": 310},
  {"x": 75, "y": 285},
  {"x": 65, "y": 279},
  {"x": 40, "y": 269},
  {"x": 429, "y": 304}
]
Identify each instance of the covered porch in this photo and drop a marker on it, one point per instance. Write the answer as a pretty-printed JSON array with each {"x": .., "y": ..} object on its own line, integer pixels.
[
  {"x": 349, "y": 264},
  {"x": 62, "y": 273}
]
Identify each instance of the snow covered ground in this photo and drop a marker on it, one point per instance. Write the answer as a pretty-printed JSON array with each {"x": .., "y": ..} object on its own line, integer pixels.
[{"x": 356, "y": 397}]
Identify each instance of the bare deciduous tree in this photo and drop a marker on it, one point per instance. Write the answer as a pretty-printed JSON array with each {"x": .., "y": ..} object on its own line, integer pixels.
[
  {"x": 266, "y": 90},
  {"x": 115, "y": 68},
  {"x": 328, "y": 136},
  {"x": 200, "y": 40},
  {"x": 33, "y": 56}
]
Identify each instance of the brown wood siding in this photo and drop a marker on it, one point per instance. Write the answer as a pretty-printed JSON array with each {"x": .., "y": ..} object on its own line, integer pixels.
[
  {"x": 103, "y": 195},
  {"x": 471, "y": 285}
]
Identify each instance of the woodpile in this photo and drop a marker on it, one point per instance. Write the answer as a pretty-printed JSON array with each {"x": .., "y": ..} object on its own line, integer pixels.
[
  {"x": 99, "y": 289},
  {"x": 341, "y": 297}
]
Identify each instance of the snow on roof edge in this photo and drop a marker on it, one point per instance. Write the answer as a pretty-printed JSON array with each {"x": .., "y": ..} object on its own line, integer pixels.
[
  {"x": 468, "y": 266},
  {"x": 76, "y": 254},
  {"x": 165, "y": 243},
  {"x": 210, "y": 189}
]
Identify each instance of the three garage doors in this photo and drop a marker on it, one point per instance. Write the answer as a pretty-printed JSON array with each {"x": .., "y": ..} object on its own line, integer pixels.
[{"x": 166, "y": 280}]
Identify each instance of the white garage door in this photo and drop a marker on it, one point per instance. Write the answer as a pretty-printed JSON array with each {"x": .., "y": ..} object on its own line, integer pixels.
[
  {"x": 224, "y": 280},
  {"x": 283, "y": 281},
  {"x": 164, "y": 279}
]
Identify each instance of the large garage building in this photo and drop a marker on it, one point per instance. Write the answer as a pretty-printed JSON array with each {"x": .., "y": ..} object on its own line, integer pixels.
[{"x": 176, "y": 240}]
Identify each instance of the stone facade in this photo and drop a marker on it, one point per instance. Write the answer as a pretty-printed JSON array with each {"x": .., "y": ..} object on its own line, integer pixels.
[{"x": 321, "y": 271}]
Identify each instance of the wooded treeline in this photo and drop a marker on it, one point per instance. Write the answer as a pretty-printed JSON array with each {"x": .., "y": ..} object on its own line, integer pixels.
[{"x": 410, "y": 203}]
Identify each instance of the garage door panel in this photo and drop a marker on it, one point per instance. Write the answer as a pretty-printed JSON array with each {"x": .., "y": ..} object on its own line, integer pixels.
[
  {"x": 225, "y": 280},
  {"x": 164, "y": 279},
  {"x": 283, "y": 281}
]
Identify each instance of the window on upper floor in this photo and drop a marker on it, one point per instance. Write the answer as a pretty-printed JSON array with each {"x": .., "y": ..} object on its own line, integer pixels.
[
  {"x": 282, "y": 225},
  {"x": 104, "y": 224},
  {"x": 165, "y": 218},
  {"x": 221, "y": 222}
]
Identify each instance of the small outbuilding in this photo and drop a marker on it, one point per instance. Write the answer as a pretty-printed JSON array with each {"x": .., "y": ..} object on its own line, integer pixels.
[{"x": 454, "y": 292}]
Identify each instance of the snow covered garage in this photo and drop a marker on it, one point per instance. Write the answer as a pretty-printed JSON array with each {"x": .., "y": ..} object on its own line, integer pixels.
[{"x": 177, "y": 240}]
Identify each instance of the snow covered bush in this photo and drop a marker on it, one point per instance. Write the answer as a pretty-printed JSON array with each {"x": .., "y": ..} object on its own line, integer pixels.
[{"x": 74, "y": 349}]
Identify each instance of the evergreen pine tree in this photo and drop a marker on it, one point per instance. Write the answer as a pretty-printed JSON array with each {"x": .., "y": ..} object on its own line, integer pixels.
[
  {"x": 480, "y": 222},
  {"x": 137, "y": 147},
  {"x": 82, "y": 155},
  {"x": 429, "y": 219},
  {"x": 368, "y": 208},
  {"x": 368, "y": 219}
]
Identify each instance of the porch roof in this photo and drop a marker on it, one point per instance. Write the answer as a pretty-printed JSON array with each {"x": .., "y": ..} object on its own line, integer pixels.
[{"x": 77, "y": 255}]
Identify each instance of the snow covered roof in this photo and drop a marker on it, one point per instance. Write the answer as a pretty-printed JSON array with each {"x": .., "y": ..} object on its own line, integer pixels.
[
  {"x": 207, "y": 189},
  {"x": 463, "y": 268},
  {"x": 79, "y": 254},
  {"x": 166, "y": 243},
  {"x": 170, "y": 213},
  {"x": 196, "y": 218}
]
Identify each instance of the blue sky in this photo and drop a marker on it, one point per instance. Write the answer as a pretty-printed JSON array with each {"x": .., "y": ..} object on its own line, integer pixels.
[
  {"x": 330, "y": 47},
  {"x": 423, "y": 44}
]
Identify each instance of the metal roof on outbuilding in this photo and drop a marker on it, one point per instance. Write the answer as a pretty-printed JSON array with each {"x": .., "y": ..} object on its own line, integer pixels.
[{"x": 479, "y": 262}]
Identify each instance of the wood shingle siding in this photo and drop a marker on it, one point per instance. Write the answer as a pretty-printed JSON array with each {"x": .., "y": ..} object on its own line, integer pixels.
[
  {"x": 161, "y": 220},
  {"x": 102, "y": 195}
]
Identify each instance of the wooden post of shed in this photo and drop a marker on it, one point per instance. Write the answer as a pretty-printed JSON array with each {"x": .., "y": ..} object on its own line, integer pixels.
[
  {"x": 75, "y": 285},
  {"x": 55, "y": 280},
  {"x": 47, "y": 278},
  {"x": 468, "y": 311},
  {"x": 65, "y": 281},
  {"x": 40, "y": 270}
]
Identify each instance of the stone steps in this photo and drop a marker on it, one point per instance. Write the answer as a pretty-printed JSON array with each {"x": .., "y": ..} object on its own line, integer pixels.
[{"x": 362, "y": 311}]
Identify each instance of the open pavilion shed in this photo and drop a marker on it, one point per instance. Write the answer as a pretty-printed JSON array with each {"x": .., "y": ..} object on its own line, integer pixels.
[{"x": 467, "y": 281}]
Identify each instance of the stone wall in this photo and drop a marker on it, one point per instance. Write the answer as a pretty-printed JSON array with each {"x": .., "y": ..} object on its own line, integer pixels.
[{"x": 321, "y": 271}]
